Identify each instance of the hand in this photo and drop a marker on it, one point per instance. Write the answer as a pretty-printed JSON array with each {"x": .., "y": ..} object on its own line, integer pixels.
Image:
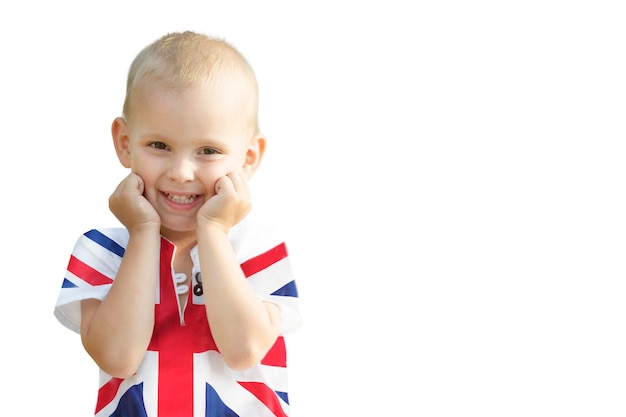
[
  {"x": 230, "y": 204},
  {"x": 129, "y": 205}
]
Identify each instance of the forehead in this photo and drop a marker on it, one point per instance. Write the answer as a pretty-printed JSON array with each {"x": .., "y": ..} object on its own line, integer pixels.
[
  {"x": 233, "y": 94},
  {"x": 209, "y": 110},
  {"x": 229, "y": 91}
]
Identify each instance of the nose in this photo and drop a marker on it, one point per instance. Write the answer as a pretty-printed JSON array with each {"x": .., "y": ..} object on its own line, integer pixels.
[{"x": 181, "y": 169}]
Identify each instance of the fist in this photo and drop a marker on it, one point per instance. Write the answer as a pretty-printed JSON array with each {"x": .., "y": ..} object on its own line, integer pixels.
[
  {"x": 129, "y": 205},
  {"x": 230, "y": 204}
]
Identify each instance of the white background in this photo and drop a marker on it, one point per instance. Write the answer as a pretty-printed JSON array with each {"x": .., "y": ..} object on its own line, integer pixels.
[{"x": 450, "y": 174}]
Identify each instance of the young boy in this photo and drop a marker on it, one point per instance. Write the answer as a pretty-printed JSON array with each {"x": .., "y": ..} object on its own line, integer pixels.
[{"x": 184, "y": 309}]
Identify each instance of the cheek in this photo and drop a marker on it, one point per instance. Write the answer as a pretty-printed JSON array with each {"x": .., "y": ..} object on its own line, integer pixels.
[
  {"x": 149, "y": 172},
  {"x": 209, "y": 175}
]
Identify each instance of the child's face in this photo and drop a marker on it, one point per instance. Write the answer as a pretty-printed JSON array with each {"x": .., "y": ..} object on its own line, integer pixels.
[{"x": 181, "y": 143}]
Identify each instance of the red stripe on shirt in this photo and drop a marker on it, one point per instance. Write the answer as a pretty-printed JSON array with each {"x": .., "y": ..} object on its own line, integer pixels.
[
  {"x": 107, "y": 393},
  {"x": 262, "y": 261},
  {"x": 265, "y": 395},
  {"x": 87, "y": 273},
  {"x": 277, "y": 355}
]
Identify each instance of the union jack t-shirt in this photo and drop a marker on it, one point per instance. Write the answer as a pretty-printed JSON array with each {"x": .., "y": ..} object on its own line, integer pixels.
[{"x": 183, "y": 373}]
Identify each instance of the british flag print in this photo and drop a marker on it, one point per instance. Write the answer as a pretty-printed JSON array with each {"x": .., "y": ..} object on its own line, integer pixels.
[{"x": 183, "y": 373}]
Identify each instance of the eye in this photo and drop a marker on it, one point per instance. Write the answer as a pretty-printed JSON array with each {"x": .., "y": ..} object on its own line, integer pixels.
[
  {"x": 208, "y": 151},
  {"x": 158, "y": 145}
]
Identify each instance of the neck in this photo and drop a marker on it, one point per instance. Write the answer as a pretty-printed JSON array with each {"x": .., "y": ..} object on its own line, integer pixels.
[{"x": 184, "y": 241}]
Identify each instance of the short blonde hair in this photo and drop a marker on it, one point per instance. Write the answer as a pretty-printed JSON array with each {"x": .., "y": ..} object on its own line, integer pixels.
[{"x": 186, "y": 59}]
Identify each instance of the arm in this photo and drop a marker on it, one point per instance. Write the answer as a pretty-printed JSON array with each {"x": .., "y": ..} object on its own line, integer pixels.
[
  {"x": 117, "y": 330},
  {"x": 243, "y": 327}
]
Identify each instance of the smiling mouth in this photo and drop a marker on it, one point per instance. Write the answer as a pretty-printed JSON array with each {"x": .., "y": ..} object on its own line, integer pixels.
[{"x": 182, "y": 199}]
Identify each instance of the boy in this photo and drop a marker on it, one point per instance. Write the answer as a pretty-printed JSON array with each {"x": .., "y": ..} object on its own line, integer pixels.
[{"x": 210, "y": 343}]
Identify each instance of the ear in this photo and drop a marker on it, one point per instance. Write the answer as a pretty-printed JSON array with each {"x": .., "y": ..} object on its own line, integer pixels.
[
  {"x": 121, "y": 141},
  {"x": 254, "y": 155}
]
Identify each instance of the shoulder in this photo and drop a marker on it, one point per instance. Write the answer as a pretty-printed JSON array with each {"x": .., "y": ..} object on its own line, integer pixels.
[
  {"x": 111, "y": 239},
  {"x": 257, "y": 233},
  {"x": 117, "y": 234}
]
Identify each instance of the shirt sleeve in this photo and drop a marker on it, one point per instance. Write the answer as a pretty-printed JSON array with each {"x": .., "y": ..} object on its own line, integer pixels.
[{"x": 91, "y": 269}]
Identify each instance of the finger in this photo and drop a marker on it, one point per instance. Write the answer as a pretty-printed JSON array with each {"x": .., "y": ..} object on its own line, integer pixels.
[
  {"x": 239, "y": 181},
  {"x": 140, "y": 184},
  {"x": 224, "y": 185},
  {"x": 133, "y": 184}
]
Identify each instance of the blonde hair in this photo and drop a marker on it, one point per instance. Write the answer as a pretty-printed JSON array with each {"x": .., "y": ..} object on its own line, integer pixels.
[{"x": 185, "y": 59}]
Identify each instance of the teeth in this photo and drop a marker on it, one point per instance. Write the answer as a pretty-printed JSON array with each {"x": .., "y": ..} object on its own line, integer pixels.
[{"x": 182, "y": 199}]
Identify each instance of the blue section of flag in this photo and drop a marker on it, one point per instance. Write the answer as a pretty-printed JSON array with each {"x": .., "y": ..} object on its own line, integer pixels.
[
  {"x": 131, "y": 403},
  {"x": 215, "y": 407},
  {"x": 68, "y": 284},
  {"x": 105, "y": 241},
  {"x": 283, "y": 395},
  {"x": 288, "y": 290}
]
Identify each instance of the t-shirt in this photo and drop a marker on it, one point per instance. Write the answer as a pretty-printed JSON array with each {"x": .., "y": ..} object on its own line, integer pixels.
[{"x": 183, "y": 373}]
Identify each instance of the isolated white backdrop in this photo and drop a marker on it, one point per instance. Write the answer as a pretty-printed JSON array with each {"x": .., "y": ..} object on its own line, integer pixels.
[{"x": 450, "y": 175}]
